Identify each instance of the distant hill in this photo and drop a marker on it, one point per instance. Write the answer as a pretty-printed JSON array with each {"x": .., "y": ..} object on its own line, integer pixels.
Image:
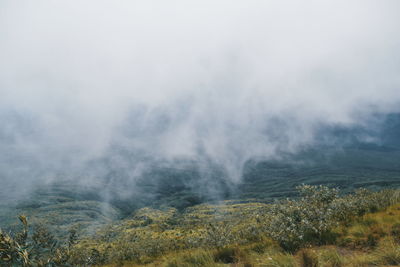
[{"x": 348, "y": 158}]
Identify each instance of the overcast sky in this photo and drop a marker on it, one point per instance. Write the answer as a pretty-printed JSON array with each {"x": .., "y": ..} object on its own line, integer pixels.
[{"x": 216, "y": 77}]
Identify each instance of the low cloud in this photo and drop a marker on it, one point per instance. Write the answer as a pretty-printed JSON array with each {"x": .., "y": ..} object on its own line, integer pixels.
[{"x": 222, "y": 81}]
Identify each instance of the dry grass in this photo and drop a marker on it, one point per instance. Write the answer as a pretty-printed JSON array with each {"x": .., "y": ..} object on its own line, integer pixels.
[{"x": 386, "y": 252}]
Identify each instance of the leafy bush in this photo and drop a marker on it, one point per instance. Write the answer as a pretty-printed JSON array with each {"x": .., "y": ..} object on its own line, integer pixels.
[
  {"x": 311, "y": 218},
  {"x": 13, "y": 252},
  {"x": 38, "y": 249},
  {"x": 295, "y": 223},
  {"x": 363, "y": 201},
  {"x": 225, "y": 255},
  {"x": 219, "y": 234}
]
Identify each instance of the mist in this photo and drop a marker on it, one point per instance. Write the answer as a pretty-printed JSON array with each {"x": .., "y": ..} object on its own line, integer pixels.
[{"x": 170, "y": 82}]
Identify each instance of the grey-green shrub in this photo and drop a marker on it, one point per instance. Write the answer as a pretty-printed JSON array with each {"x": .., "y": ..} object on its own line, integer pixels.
[{"x": 310, "y": 219}]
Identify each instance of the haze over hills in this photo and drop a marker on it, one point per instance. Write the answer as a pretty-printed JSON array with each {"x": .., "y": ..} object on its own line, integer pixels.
[
  {"x": 106, "y": 108},
  {"x": 346, "y": 161}
]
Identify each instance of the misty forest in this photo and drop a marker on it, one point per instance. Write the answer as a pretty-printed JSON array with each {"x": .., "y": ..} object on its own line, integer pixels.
[{"x": 200, "y": 133}]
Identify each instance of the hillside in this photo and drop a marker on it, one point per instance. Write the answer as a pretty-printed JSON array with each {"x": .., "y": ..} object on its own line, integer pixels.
[
  {"x": 320, "y": 228},
  {"x": 181, "y": 215}
]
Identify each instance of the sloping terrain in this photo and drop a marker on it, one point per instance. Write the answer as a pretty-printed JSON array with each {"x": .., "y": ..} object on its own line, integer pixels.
[{"x": 86, "y": 204}]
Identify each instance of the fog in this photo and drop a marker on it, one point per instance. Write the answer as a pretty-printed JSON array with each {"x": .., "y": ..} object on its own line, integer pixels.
[{"x": 209, "y": 81}]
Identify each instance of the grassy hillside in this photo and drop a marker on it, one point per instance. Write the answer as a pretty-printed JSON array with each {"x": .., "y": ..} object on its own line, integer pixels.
[{"x": 321, "y": 228}]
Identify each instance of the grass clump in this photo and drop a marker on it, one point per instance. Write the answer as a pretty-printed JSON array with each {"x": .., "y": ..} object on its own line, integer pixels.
[
  {"x": 226, "y": 255},
  {"x": 193, "y": 259},
  {"x": 280, "y": 260},
  {"x": 330, "y": 257},
  {"x": 308, "y": 258},
  {"x": 388, "y": 253}
]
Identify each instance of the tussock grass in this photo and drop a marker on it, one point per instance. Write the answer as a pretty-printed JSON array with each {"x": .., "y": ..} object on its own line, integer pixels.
[
  {"x": 388, "y": 253},
  {"x": 308, "y": 258},
  {"x": 330, "y": 257},
  {"x": 280, "y": 260},
  {"x": 359, "y": 260},
  {"x": 193, "y": 259}
]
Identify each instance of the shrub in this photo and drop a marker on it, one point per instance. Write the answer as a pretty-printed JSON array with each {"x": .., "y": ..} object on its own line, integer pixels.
[
  {"x": 296, "y": 223},
  {"x": 39, "y": 249},
  {"x": 259, "y": 248},
  {"x": 311, "y": 218},
  {"x": 219, "y": 234},
  {"x": 225, "y": 255}
]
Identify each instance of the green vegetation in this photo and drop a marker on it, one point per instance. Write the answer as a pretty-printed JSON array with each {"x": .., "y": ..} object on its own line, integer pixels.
[
  {"x": 39, "y": 248},
  {"x": 320, "y": 228}
]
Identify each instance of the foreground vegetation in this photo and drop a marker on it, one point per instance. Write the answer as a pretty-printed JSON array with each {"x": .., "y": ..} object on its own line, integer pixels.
[{"x": 319, "y": 228}]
